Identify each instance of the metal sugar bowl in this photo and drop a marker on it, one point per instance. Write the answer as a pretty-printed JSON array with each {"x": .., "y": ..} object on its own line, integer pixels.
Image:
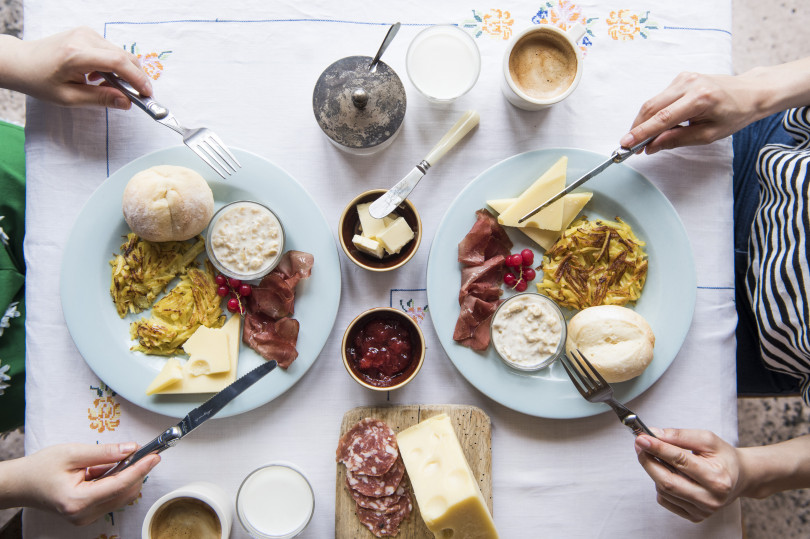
[{"x": 359, "y": 102}]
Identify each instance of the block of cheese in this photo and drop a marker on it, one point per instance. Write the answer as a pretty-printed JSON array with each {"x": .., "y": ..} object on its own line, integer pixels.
[
  {"x": 371, "y": 226},
  {"x": 212, "y": 383},
  {"x": 368, "y": 246},
  {"x": 395, "y": 236},
  {"x": 545, "y": 187},
  {"x": 449, "y": 499},
  {"x": 171, "y": 374},
  {"x": 208, "y": 351},
  {"x": 572, "y": 205}
]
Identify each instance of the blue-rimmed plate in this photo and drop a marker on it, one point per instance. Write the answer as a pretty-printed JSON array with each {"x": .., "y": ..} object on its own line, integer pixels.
[
  {"x": 103, "y": 338},
  {"x": 667, "y": 302}
]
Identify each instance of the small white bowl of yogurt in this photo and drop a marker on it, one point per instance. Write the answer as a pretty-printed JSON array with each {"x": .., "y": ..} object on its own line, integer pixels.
[
  {"x": 275, "y": 501},
  {"x": 528, "y": 331},
  {"x": 245, "y": 240}
]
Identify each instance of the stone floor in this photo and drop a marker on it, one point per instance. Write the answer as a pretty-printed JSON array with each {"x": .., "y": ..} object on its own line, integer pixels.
[{"x": 764, "y": 33}]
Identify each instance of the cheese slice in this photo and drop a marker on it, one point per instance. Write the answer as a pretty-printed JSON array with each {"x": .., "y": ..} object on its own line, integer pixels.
[
  {"x": 371, "y": 226},
  {"x": 545, "y": 187},
  {"x": 171, "y": 374},
  {"x": 449, "y": 499},
  {"x": 212, "y": 383},
  {"x": 208, "y": 353},
  {"x": 572, "y": 205}
]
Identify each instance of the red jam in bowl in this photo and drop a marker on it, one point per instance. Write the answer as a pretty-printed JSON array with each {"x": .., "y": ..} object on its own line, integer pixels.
[{"x": 381, "y": 351}]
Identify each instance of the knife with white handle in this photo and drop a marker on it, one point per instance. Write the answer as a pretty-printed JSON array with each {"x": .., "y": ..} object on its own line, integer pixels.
[{"x": 394, "y": 197}]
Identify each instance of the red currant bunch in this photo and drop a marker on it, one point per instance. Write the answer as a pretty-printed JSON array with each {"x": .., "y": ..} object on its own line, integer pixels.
[
  {"x": 236, "y": 289},
  {"x": 519, "y": 271}
]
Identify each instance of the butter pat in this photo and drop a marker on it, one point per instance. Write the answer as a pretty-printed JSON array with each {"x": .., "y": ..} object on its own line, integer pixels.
[
  {"x": 368, "y": 246},
  {"x": 545, "y": 187},
  {"x": 446, "y": 490},
  {"x": 396, "y": 235},
  {"x": 371, "y": 226},
  {"x": 171, "y": 374},
  {"x": 208, "y": 351}
]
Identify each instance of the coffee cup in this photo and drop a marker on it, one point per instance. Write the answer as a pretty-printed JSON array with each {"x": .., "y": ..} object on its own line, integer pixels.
[
  {"x": 542, "y": 66},
  {"x": 201, "y": 510}
]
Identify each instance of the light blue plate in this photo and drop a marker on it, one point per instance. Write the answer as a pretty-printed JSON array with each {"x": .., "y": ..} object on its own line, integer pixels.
[
  {"x": 667, "y": 302},
  {"x": 103, "y": 338}
]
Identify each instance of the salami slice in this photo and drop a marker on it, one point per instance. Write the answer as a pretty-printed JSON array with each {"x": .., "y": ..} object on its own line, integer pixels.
[
  {"x": 377, "y": 485},
  {"x": 368, "y": 448},
  {"x": 386, "y": 524},
  {"x": 383, "y": 504}
]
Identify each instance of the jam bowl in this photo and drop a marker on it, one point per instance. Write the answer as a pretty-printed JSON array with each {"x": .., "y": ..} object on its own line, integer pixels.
[
  {"x": 359, "y": 248},
  {"x": 245, "y": 240},
  {"x": 383, "y": 349}
]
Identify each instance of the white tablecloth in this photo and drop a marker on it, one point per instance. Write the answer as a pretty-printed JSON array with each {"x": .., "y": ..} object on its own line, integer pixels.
[{"x": 246, "y": 69}]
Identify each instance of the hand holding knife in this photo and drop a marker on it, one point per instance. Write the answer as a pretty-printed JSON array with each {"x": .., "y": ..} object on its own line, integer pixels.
[
  {"x": 195, "y": 418},
  {"x": 618, "y": 155}
]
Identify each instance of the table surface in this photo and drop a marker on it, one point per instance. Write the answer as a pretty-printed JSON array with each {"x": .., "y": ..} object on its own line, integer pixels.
[{"x": 246, "y": 70}]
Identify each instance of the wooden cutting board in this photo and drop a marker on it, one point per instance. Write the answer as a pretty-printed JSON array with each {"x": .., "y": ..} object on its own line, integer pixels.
[{"x": 474, "y": 431}]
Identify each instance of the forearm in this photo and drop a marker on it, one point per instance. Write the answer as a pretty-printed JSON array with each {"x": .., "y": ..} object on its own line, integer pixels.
[
  {"x": 11, "y": 61},
  {"x": 774, "y": 468},
  {"x": 780, "y": 87},
  {"x": 12, "y": 484}
]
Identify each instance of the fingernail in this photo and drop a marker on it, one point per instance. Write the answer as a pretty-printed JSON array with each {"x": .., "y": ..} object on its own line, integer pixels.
[
  {"x": 127, "y": 447},
  {"x": 154, "y": 462},
  {"x": 627, "y": 140},
  {"x": 644, "y": 442},
  {"x": 120, "y": 102},
  {"x": 148, "y": 85}
]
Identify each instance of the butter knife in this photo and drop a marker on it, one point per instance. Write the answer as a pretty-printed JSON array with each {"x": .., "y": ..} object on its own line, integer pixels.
[
  {"x": 195, "y": 418},
  {"x": 399, "y": 192},
  {"x": 618, "y": 155}
]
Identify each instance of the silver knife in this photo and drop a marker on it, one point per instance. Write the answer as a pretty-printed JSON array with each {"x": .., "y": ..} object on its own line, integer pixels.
[
  {"x": 618, "y": 155},
  {"x": 394, "y": 196},
  {"x": 195, "y": 418}
]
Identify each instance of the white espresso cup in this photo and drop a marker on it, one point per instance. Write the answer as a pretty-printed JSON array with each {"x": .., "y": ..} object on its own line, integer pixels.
[
  {"x": 200, "y": 510},
  {"x": 542, "y": 66}
]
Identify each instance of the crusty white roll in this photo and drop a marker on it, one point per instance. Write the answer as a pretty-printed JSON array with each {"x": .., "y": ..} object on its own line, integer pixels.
[
  {"x": 167, "y": 203},
  {"x": 616, "y": 340}
]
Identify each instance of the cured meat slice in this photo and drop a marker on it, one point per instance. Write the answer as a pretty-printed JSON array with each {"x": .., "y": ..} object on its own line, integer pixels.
[
  {"x": 385, "y": 524},
  {"x": 382, "y": 504},
  {"x": 294, "y": 266},
  {"x": 472, "y": 326},
  {"x": 377, "y": 485},
  {"x": 490, "y": 272},
  {"x": 368, "y": 448},
  {"x": 485, "y": 240},
  {"x": 272, "y": 339}
]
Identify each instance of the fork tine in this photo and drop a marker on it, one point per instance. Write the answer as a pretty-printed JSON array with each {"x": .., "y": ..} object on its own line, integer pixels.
[
  {"x": 569, "y": 369},
  {"x": 202, "y": 155},
  {"x": 594, "y": 376},
  {"x": 208, "y": 148},
  {"x": 223, "y": 150}
]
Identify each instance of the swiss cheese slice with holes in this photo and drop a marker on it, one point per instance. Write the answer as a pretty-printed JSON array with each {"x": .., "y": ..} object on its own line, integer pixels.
[{"x": 545, "y": 187}]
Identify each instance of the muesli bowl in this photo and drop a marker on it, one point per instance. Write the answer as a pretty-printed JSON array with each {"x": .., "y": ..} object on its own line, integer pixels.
[
  {"x": 244, "y": 240},
  {"x": 528, "y": 331}
]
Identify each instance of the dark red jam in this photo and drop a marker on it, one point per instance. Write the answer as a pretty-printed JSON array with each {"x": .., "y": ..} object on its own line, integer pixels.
[{"x": 381, "y": 351}]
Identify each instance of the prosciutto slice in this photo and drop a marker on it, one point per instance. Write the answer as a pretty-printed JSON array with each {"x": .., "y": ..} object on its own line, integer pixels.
[{"x": 269, "y": 328}]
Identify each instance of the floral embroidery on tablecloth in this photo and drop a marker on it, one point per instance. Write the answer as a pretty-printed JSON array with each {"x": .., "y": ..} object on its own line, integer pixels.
[
  {"x": 564, "y": 14},
  {"x": 624, "y": 25},
  {"x": 412, "y": 301},
  {"x": 413, "y": 310},
  {"x": 105, "y": 412},
  {"x": 496, "y": 23},
  {"x": 152, "y": 62}
]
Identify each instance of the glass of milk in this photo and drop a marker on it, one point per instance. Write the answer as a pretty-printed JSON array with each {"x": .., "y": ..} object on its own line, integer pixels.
[
  {"x": 275, "y": 502},
  {"x": 443, "y": 62}
]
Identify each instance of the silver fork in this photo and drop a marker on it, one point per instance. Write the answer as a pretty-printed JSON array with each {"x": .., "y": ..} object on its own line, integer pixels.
[
  {"x": 202, "y": 141},
  {"x": 594, "y": 388}
]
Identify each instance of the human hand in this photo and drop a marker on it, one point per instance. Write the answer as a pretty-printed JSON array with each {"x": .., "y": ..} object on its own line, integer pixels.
[
  {"x": 60, "y": 478},
  {"x": 714, "y": 106},
  {"x": 710, "y": 471},
  {"x": 58, "y": 68}
]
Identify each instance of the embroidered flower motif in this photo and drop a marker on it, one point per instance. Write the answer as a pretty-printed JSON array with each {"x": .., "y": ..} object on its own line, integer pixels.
[
  {"x": 624, "y": 25},
  {"x": 3, "y": 235},
  {"x": 496, "y": 23},
  {"x": 4, "y": 378},
  {"x": 414, "y": 311},
  {"x": 564, "y": 14},
  {"x": 105, "y": 414},
  {"x": 151, "y": 63},
  {"x": 11, "y": 312}
]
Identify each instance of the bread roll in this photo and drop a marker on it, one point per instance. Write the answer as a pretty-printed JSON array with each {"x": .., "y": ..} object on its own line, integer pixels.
[
  {"x": 167, "y": 203},
  {"x": 616, "y": 340}
]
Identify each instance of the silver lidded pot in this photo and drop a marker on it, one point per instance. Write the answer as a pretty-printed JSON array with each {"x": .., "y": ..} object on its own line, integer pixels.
[{"x": 359, "y": 102}]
